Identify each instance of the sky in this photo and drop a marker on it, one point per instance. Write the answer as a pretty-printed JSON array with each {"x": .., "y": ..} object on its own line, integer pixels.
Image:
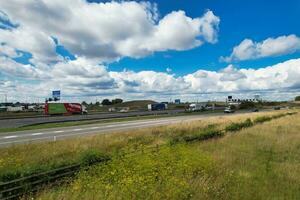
[{"x": 159, "y": 49}]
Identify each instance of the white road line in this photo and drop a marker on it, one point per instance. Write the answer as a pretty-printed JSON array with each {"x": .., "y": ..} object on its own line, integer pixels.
[
  {"x": 112, "y": 126},
  {"x": 58, "y": 131},
  {"x": 92, "y": 128},
  {"x": 78, "y": 129},
  {"x": 37, "y": 133},
  {"x": 134, "y": 123},
  {"x": 26, "y": 140},
  {"x": 11, "y": 136}
]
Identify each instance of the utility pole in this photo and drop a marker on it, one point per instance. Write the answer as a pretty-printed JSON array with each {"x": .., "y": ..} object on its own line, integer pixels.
[{"x": 5, "y": 96}]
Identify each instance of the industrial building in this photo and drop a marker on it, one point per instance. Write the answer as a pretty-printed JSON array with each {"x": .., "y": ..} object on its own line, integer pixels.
[{"x": 231, "y": 100}]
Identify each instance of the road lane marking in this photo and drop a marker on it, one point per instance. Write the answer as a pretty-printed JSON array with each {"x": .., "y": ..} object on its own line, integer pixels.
[
  {"x": 112, "y": 125},
  {"x": 11, "y": 136},
  {"x": 25, "y": 140},
  {"x": 78, "y": 129},
  {"x": 58, "y": 131},
  {"x": 37, "y": 133},
  {"x": 92, "y": 128}
]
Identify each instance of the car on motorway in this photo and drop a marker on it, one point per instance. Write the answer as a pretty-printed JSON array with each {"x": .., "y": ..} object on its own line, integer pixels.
[
  {"x": 229, "y": 110},
  {"x": 255, "y": 110},
  {"x": 124, "y": 110},
  {"x": 277, "y": 108}
]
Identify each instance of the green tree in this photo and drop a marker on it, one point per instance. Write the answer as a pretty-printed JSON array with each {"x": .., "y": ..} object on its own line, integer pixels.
[
  {"x": 297, "y": 98},
  {"x": 84, "y": 103},
  {"x": 106, "y": 102},
  {"x": 247, "y": 105},
  {"x": 115, "y": 101}
]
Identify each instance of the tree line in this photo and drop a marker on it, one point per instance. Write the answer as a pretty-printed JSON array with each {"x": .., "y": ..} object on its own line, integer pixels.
[{"x": 105, "y": 102}]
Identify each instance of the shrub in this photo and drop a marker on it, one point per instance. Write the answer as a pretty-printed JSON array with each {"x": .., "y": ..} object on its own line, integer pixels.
[
  {"x": 278, "y": 116},
  {"x": 262, "y": 119},
  {"x": 238, "y": 126},
  {"x": 93, "y": 156},
  {"x": 198, "y": 135},
  {"x": 247, "y": 105}
]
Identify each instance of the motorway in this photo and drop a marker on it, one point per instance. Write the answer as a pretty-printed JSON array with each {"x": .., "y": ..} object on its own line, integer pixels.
[
  {"x": 15, "y": 123},
  {"x": 30, "y": 136}
]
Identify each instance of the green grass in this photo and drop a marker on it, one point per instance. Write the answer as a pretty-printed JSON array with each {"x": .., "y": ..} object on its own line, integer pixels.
[
  {"x": 239, "y": 125},
  {"x": 164, "y": 174},
  {"x": 211, "y": 131},
  {"x": 22, "y": 160},
  {"x": 178, "y": 170},
  {"x": 260, "y": 162},
  {"x": 19, "y": 114}
]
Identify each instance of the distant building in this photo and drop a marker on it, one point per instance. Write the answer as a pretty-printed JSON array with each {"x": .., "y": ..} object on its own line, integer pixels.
[
  {"x": 3, "y": 109},
  {"x": 15, "y": 108},
  {"x": 6, "y": 104},
  {"x": 177, "y": 101},
  {"x": 231, "y": 100}
]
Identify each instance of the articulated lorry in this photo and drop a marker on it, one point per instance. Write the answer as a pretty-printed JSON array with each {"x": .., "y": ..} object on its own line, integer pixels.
[
  {"x": 157, "y": 106},
  {"x": 64, "y": 109},
  {"x": 197, "y": 107}
]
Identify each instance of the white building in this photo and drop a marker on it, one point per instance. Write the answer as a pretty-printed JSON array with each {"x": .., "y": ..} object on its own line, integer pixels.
[{"x": 232, "y": 101}]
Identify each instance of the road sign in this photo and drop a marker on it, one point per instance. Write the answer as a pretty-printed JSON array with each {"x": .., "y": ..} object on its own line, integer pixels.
[{"x": 56, "y": 94}]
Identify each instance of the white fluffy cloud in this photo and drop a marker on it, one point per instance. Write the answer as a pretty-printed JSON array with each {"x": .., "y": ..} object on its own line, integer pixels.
[
  {"x": 249, "y": 49},
  {"x": 101, "y": 31},
  {"x": 83, "y": 77},
  {"x": 12, "y": 68},
  {"x": 97, "y": 32}
]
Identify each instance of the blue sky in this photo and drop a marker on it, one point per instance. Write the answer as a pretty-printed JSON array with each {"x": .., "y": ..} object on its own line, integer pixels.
[
  {"x": 254, "y": 19},
  {"x": 123, "y": 48}
]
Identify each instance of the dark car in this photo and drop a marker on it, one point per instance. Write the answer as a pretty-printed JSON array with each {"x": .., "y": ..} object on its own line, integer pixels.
[
  {"x": 277, "y": 108},
  {"x": 255, "y": 110}
]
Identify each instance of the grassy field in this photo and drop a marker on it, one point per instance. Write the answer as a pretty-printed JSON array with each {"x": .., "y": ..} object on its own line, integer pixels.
[
  {"x": 259, "y": 162},
  {"x": 19, "y": 114}
]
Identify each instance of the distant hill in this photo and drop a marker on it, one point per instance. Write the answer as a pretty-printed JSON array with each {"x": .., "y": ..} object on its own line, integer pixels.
[{"x": 135, "y": 105}]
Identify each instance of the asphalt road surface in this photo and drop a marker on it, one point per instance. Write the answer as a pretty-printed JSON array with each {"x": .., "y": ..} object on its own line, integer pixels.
[
  {"x": 25, "y": 137},
  {"x": 15, "y": 123}
]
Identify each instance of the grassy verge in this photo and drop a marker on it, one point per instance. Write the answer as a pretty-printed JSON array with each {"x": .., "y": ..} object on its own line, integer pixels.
[
  {"x": 87, "y": 122},
  {"x": 23, "y": 160},
  {"x": 260, "y": 162}
]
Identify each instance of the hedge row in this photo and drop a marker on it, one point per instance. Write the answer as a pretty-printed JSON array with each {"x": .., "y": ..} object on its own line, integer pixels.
[
  {"x": 211, "y": 131},
  {"x": 238, "y": 126},
  {"x": 201, "y": 134},
  {"x": 233, "y": 127}
]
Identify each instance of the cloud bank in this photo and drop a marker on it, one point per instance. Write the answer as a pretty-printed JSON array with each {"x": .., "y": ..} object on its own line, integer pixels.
[
  {"x": 100, "y": 31},
  {"x": 97, "y": 33},
  {"x": 249, "y": 49},
  {"x": 82, "y": 77}
]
